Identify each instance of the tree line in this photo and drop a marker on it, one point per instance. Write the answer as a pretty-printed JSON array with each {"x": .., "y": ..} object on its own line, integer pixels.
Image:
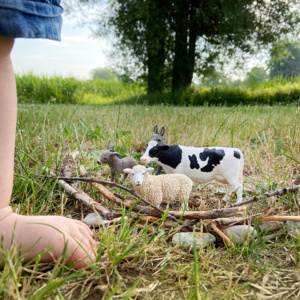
[{"x": 166, "y": 42}]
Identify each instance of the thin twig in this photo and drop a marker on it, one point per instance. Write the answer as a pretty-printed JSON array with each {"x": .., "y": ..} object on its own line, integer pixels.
[
  {"x": 280, "y": 218},
  {"x": 210, "y": 214},
  {"x": 88, "y": 201},
  {"x": 83, "y": 172},
  {"x": 67, "y": 165},
  {"x": 191, "y": 223},
  {"x": 222, "y": 235},
  {"x": 281, "y": 192},
  {"x": 111, "y": 196},
  {"x": 213, "y": 214},
  {"x": 227, "y": 222}
]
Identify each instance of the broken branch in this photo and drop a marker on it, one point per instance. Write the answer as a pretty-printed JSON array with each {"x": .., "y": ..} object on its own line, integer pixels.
[
  {"x": 222, "y": 235},
  {"x": 281, "y": 192},
  {"x": 213, "y": 214},
  {"x": 88, "y": 201},
  {"x": 67, "y": 165}
]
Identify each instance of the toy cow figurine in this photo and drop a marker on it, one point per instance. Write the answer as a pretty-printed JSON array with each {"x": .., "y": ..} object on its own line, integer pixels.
[{"x": 200, "y": 164}]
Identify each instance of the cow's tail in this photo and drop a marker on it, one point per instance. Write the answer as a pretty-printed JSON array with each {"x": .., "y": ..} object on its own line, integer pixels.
[{"x": 241, "y": 169}]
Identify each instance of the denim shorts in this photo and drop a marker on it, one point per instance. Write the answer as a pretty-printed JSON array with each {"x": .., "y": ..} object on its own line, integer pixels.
[{"x": 31, "y": 19}]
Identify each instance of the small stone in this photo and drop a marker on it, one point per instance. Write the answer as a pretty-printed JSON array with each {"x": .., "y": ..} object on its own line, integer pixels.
[
  {"x": 271, "y": 226},
  {"x": 239, "y": 233},
  {"x": 92, "y": 219},
  {"x": 185, "y": 239},
  {"x": 293, "y": 228}
]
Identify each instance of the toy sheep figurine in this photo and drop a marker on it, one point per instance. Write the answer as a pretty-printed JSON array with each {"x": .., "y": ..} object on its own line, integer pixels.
[
  {"x": 158, "y": 137},
  {"x": 117, "y": 165},
  {"x": 162, "y": 188}
]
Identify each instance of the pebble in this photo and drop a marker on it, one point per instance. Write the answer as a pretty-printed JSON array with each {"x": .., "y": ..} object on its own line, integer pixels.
[
  {"x": 185, "y": 239},
  {"x": 239, "y": 233},
  {"x": 92, "y": 219},
  {"x": 293, "y": 228}
]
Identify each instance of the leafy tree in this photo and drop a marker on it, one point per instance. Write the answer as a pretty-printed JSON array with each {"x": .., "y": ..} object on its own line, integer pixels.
[
  {"x": 255, "y": 76},
  {"x": 285, "y": 60},
  {"x": 171, "y": 40},
  {"x": 143, "y": 32},
  {"x": 104, "y": 74},
  {"x": 213, "y": 78},
  {"x": 223, "y": 26}
]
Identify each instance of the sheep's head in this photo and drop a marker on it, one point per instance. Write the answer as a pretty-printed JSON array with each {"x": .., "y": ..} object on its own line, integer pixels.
[
  {"x": 107, "y": 157},
  {"x": 138, "y": 173}
]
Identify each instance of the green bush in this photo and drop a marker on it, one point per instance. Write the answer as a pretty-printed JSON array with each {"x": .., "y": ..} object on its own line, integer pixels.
[
  {"x": 70, "y": 90},
  {"x": 34, "y": 89}
]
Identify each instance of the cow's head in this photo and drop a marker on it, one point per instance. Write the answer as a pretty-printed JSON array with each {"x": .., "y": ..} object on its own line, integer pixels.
[{"x": 152, "y": 151}]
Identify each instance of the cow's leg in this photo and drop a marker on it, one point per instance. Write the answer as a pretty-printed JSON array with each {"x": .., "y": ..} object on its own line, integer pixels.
[
  {"x": 236, "y": 187},
  {"x": 228, "y": 193}
]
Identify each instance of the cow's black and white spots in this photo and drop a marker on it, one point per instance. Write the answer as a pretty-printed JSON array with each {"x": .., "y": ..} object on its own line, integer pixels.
[
  {"x": 167, "y": 155},
  {"x": 236, "y": 154},
  {"x": 200, "y": 164},
  {"x": 214, "y": 157},
  {"x": 193, "y": 162}
]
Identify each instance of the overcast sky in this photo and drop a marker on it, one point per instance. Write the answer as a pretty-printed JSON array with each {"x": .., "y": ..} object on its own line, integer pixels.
[{"x": 76, "y": 55}]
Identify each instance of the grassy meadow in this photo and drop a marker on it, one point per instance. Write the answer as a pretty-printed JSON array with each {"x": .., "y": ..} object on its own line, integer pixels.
[{"x": 133, "y": 263}]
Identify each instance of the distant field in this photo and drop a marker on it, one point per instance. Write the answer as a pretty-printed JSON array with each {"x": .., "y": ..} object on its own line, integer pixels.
[
  {"x": 33, "y": 89},
  {"x": 134, "y": 263}
]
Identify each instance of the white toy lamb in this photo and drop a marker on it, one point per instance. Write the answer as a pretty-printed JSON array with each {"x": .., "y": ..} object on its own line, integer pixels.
[{"x": 162, "y": 188}]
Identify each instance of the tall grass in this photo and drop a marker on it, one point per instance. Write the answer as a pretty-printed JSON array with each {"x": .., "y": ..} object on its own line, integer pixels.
[
  {"x": 33, "y": 89},
  {"x": 133, "y": 263}
]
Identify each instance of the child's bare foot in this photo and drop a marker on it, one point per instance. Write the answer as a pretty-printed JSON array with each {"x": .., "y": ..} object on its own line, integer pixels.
[{"x": 40, "y": 230}]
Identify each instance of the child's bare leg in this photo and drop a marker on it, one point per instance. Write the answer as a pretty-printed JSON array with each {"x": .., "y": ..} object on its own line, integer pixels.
[
  {"x": 8, "y": 120},
  {"x": 29, "y": 229}
]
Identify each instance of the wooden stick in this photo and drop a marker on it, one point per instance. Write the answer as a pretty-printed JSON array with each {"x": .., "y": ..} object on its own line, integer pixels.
[
  {"x": 151, "y": 220},
  {"x": 105, "y": 212},
  {"x": 280, "y": 218},
  {"x": 256, "y": 198},
  {"x": 227, "y": 222},
  {"x": 281, "y": 192},
  {"x": 142, "y": 221},
  {"x": 222, "y": 235},
  {"x": 102, "y": 189},
  {"x": 67, "y": 165},
  {"x": 150, "y": 229},
  {"x": 88, "y": 201},
  {"x": 210, "y": 214},
  {"x": 213, "y": 214},
  {"x": 166, "y": 224}
]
